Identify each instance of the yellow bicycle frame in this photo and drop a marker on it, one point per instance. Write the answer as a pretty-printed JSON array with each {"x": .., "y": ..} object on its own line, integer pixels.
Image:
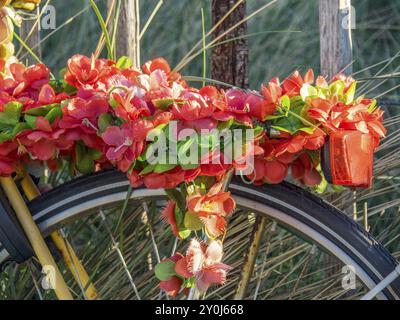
[
  {"x": 34, "y": 236},
  {"x": 38, "y": 244},
  {"x": 70, "y": 258}
]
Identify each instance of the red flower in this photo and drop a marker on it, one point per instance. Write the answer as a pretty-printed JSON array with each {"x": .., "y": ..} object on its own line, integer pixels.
[
  {"x": 167, "y": 180},
  {"x": 356, "y": 116},
  {"x": 130, "y": 106},
  {"x": 43, "y": 142},
  {"x": 237, "y": 107},
  {"x": 193, "y": 107},
  {"x": 7, "y": 158},
  {"x": 173, "y": 285},
  {"x": 156, "y": 64},
  {"x": 212, "y": 208},
  {"x": 204, "y": 263},
  {"x": 301, "y": 141},
  {"x": 303, "y": 169},
  {"x": 83, "y": 114},
  {"x": 82, "y": 70},
  {"x": 126, "y": 143},
  {"x": 135, "y": 179},
  {"x": 272, "y": 94},
  {"x": 25, "y": 82},
  {"x": 347, "y": 80},
  {"x": 269, "y": 170},
  {"x": 293, "y": 84},
  {"x": 162, "y": 65},
  {"x": 212, "y": 164},
  {"x": 168, "y": 215}
]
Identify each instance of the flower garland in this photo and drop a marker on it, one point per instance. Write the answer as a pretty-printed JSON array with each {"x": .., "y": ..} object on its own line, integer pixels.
[{"x": 101, "y": 114}]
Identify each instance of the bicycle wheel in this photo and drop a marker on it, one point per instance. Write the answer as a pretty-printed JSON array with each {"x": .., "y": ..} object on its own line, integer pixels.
[{"x": 301, "y": 232}]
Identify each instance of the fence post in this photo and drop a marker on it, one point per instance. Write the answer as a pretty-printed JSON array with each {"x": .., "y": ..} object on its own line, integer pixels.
[
  {"x": 335, "y": 24},
  {"x": 127, "y": 37},
  {"x": 30, "y": 34},
  {"x": 230, "y": 61}
]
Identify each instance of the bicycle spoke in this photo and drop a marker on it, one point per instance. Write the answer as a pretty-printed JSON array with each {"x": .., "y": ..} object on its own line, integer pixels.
[
  {"x": 268, "y": 245},
  {"x": 121, "y": 257},
  {"x": 77, "y": 276},
  {"x": 37, "y": 288}
]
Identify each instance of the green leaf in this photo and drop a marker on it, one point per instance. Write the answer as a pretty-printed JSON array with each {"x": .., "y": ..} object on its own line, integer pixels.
[
  {"x": 113, "y": 103},
  {"x": 94, "y": 154},
  {"x": 192, "y": 222},
  {"x": 53, "y": 114},
  {"x": 160, "y": 168},
  {"x": 323, "y": 185},
  {"x": 19, "y": 128},
  {"x": 308, "y": 130},
  {"x": 163, "y": 104},
  {"x": 296, "y": 102},
  {"x": 86, "y": 165},
  {"x": 274, "y": 117},
  {"x": 225, "y": 125},
  {"x": 178, "y": 198},
  {"x": 350, "y": 94},
  {"x": 337, "y": 88},
  {"x": 80, "y": 151},
  {"x": 41, "y": 111},
  {"x": 179, "y": 216},
  {"x": 5, "y": 136},
  {"x": 288, "y": 124},
  {"x": 373, "y": 106},
  {"x": 308, "y": 91},
  {"x": 285, "y": 102},
  {"x": 184, "y": 234},
  {"x": 148, "y": 169},
  {"x": 105, "y": 121},
  {"x": 124, "y": 62},
  {"x": 258, "y": 130},
  {"x": 321, "y": 188},
  {"x": 204, "y": 183},
  {"x": 31, "y": 121},
  {"x": 189, "y": 282},
  {"x": 337, "y": 188},
  {"x": 11, "y": 113},
  {"x": 165, "y": 270},
  {"x": 62, "y": 72}
]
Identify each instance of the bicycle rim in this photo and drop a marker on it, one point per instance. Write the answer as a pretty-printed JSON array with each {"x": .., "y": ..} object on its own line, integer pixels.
[{"x": 284, "y": 204}]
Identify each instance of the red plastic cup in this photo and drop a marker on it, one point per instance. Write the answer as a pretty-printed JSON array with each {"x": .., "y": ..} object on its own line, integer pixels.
[{"x": 351, "y": 158}]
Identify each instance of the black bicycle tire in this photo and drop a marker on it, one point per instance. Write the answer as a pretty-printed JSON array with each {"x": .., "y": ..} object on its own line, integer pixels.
[{"x": 317, "y": 214}]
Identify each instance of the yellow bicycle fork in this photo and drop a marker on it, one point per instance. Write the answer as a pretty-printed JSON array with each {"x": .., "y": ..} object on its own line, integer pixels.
[{"x": 39, "y": 245}]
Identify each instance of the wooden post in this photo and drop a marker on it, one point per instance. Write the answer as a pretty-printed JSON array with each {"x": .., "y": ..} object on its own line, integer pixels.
[
  {"x": 127, "y": 41},
  {"x": 30, "y": 34},
  {"x": 230, "y": 61},
  {"x": 335, "y": 23}
]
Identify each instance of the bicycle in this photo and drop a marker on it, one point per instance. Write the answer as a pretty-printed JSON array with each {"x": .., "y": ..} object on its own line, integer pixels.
[
  {"x": 291, "y": 207},
  {"x": 293, "y": 242}
]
